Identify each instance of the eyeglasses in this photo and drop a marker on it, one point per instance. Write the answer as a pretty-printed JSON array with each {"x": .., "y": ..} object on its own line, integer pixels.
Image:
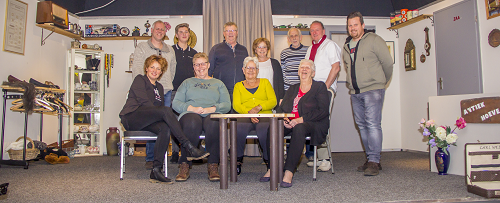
[
  {"x": 230, "y": 30},
  {"x": 251, "y": 68},
  {"x": 262, "y": 47},
  {"x": 200, "y": 64}
]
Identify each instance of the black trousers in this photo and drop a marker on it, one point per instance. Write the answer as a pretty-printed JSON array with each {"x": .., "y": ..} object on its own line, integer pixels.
[
  {"x": 245, "y": 125},
  {"x": 298, "y": 140},
  {"x": 192, "y": 125},
  {"x": 158, "y": 120}
]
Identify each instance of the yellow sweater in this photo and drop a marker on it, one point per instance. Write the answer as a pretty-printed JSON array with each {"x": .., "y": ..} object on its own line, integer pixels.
[{"x": 244, "y": 101}]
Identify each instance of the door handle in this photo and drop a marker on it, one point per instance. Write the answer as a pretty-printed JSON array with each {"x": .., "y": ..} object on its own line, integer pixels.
[{"x": 440, "y": 82}]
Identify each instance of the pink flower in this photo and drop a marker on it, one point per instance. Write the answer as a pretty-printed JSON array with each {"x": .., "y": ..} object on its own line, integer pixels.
[
  {"x": 429, "y": 123},
  {"x": 422, "y": 122},
  {"x": 461, "y": 123}
]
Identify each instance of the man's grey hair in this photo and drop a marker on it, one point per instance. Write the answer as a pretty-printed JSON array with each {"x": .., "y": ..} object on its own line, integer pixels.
[
  {"x": 158, "y": 21},
  {"x": 290, "y": 30}
]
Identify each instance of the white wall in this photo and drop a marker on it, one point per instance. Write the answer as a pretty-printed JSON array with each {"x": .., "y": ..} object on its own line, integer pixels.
[
  {"x": 392, "y": 112},
  {"x": 417, "y": 86},
  {"x": 43, "y": 63}
]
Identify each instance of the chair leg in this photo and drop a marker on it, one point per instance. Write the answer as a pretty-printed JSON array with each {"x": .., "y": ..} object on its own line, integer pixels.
[
  {"x": 330, "y": 153},
  {"x": 315, "y": 163},
  {"x": 166, "y": 162},
  {"x": 122, "y": 160}
]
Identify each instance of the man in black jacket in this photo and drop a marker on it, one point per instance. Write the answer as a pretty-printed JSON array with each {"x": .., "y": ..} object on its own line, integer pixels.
[{"x": 226, "y": 58}]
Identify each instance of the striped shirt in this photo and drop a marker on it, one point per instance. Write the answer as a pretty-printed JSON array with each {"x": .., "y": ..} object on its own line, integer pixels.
[{"x": 290, "y": 60}]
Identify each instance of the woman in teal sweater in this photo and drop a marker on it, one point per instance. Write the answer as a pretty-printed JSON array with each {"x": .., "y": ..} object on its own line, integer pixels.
[
  {"x": 195, "y": 100},
  {"x": 251, "y": 96}
]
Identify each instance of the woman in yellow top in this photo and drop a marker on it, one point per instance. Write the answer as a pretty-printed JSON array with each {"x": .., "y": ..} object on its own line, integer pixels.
[{"x": 251, "y": 96}]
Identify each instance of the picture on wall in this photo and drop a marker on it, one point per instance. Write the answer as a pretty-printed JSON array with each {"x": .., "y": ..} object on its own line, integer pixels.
[
  {"x": 492, "y": 8},
  {"x": 390, "y": 46},
  {"x": 15, "y": 26}
]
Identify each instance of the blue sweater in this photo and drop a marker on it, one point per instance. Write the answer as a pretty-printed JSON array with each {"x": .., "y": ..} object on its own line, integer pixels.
[{"x": 226, "y": 65}]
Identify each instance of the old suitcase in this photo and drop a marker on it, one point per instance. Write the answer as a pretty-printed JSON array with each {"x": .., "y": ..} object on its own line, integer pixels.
[{"x": 483, "y": 169}]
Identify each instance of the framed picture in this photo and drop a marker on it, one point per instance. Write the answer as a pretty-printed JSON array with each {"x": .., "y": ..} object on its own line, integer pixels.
[
  {"x": 409, "y": 56},
  {"x": 492, "y": 8},
  {"x": 15, "y": 26},
  {"x": 390, "y": 46}
]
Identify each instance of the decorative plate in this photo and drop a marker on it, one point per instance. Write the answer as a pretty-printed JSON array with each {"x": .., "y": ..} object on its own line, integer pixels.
[
  {"x": 124, "y": 31},
  {"x": 192, "y": 39},
  {"x": 494, "y": 38}
]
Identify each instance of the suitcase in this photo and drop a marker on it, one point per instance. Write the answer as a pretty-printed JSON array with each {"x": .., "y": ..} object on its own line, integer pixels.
[{"x": 482, "y": 168}]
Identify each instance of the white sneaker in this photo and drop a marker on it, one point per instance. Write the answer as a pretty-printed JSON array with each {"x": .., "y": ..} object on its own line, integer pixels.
[
  {"x": 324, "y": 166},
  {"x": 310, "y": 163}
]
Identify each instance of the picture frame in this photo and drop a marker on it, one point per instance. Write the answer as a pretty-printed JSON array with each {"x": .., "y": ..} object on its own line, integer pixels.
[
  {"x": 14, "y": 37},
  {"x": 492, "y": 8},
  {"x": 390, "y": 46},
  {"x": 409, "y": 56}
]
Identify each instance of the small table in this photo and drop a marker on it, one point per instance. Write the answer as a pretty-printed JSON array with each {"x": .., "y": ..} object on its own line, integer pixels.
[{"x": 276, "y": 144}]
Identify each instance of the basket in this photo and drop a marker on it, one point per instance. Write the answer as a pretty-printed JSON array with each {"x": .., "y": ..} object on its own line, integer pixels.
[{"x": 31, "y": 153}]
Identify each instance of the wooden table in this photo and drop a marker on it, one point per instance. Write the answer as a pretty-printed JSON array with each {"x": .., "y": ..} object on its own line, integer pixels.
[{"x": 276, "y": 144}]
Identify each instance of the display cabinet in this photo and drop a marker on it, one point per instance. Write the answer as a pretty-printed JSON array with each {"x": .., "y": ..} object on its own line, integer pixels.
[{"x": 85, "y": 90}]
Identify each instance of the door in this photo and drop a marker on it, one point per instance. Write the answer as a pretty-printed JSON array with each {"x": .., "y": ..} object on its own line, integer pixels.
[{"x": 457, "y": 49}]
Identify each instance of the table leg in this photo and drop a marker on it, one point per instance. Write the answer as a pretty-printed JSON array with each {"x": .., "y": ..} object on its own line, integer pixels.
[
  {"x": 274, "y": 159},
  {"x": 281, "y": 144},
  {"x": 234, "y": 175},
  {"x": 223, "y": 153}
]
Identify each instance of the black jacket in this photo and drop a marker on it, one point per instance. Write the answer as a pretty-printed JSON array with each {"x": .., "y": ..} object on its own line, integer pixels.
[
  {"x": 278, "y": 84},
  {"x": 226, "y": 65},
  {"x": 141, "y": 93},
  {"x": 313, "y": 108}
]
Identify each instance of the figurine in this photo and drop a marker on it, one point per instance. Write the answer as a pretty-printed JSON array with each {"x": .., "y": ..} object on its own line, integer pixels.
[
  {"x": 147, "y": 25},
  {"x": 136, "y": 31}
]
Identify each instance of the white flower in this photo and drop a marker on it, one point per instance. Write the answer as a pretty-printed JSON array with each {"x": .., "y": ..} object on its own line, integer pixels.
[
  {"x": 451, "y": 138},
  {"x": 441, "y": 133}
]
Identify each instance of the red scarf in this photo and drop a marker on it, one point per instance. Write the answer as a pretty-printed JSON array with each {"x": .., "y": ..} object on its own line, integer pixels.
[{"x": 314, "y": 48}]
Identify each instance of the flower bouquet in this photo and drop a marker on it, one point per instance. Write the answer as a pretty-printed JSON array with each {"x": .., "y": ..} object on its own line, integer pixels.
[{"x": 441, "y": 136}]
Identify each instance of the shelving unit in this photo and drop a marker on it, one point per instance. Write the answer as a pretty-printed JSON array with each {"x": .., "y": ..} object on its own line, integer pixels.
[
  {"x": 409, "y": 22},
  {"x": 94, "y": 98}
]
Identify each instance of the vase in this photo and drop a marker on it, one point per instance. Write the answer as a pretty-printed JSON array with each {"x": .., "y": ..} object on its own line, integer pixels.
[
  {"x": 442, "y": 161},
  {"x": 112, "y": 138}
]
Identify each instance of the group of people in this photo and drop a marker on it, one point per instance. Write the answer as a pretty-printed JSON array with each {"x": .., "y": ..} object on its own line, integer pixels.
[{"x": 227, "y": 80}]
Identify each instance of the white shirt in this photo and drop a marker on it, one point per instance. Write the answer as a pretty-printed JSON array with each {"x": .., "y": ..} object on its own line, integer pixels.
[
  {"x": 327, "y": 54},
  {"x": 266, "y": 71}
]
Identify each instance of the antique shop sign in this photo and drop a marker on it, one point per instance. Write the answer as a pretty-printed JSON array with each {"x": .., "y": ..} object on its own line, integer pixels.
[{"x": 481, "y": 110}]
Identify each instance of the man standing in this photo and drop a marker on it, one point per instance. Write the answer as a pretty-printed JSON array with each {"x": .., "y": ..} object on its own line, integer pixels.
[
  {"x": 184, "y": 69},
  {"x": 226, "y": 58},
  {"x": 155, "y": 46},
  {"x": 291, "y": 56},
  {"x": 326, "y": 56},
  {"x": 369, "y": 69}
]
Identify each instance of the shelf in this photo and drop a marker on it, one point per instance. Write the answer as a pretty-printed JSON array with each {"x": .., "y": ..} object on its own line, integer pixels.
[
  {"x": 121, "y": 38},
  {"x": 86, "y": 112},
  {"x": 411, "y": 21},
  {"x": 50, "y": 27},
  {"x": 86, "y": 91},
  {"x": 87, "y": 154},
  {"x": 86, "y": 133},
  {"x": 19, "y": 89},
  {"x": 87, "y": 71}
]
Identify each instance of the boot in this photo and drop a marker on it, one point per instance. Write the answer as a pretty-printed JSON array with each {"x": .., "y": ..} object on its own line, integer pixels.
[
  {"x": 238, "y": 165},
  {"x": 213, "y": 172},
  {"x": 157, "y": 176},
  {"x": 194, "y": 152},
  {"x": 183, "y": 172}
]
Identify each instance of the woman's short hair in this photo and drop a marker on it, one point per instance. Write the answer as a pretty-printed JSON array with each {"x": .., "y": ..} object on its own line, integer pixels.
[
  {"x": 258, "y": 41},
  {"x": 200, "y": 55},
  {"x": 313, "y": 68},
  {"x": 248, "y": 59},
  {"x": 155, "y": 58}
]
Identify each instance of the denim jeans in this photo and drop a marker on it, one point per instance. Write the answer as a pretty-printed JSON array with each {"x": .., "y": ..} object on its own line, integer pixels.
[
  {"x": 150, "y": 144},
  {"x": 367, "y": 108}
]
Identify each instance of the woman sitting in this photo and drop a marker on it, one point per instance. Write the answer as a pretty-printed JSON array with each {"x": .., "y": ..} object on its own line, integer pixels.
[
  {"x": 144, "y": 111},
  {"x": 253, "y": 95},
  {"x": 309, "y": 102},
  {"x": 195, "y": 100}
]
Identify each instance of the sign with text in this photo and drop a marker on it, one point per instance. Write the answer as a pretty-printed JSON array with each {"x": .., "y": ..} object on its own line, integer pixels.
[{"x": 481, "y": 110}]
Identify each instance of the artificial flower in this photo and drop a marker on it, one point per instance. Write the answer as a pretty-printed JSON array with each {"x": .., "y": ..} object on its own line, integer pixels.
[
  {"x": 429, "y": 123},
  {"x": 422, "y": 123},
  {"x": 460, "y": 123},
  {"x": 441, "y": 133},
  {"x": 426, "y": 132},
  {"x": 432, "y": 143},
  {"x": 451, "y": 138}
]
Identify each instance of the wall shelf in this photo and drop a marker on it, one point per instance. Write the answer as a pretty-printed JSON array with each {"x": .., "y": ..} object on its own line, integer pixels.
[
  {"x": 409, "y": 22},
  {"x": 122, "y": 38},
  {"x": 286, "y": 29}
]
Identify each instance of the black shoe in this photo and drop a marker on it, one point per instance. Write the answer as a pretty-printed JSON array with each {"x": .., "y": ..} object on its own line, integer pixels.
[
  {"x": 195, "y": 153},
  {"x": 175, "y": 157},
  {"x": 157, "y": 176},
  {"x": 238, "y": 165},
  {"x": 38, "y": 84}
]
